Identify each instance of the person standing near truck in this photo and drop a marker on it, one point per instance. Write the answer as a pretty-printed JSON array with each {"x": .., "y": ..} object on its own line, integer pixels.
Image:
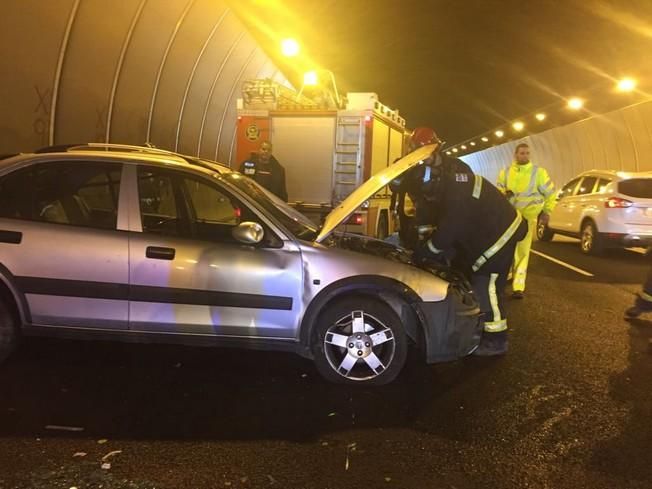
[{"x": 266, "y": 171}]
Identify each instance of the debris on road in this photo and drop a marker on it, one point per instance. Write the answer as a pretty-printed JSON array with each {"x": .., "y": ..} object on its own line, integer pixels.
[
  {"x": 111, "y": 454},
  {"x": 102, "y": 441},
  {"x": 80, "y": 454}
]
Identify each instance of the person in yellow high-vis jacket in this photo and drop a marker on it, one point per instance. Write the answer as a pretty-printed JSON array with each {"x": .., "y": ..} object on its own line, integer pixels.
[{"x": 531, "y": 191}]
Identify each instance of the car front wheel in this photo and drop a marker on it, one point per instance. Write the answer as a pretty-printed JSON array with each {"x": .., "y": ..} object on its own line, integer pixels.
[
  {"x": 359, "y": 341},
  {"x": 544, "y": 233}
]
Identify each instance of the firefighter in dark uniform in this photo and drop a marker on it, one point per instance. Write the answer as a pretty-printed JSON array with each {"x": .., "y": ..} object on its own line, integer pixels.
[
  {"x": 473, "y": 222},
  {"x": 266, "y": 170}
]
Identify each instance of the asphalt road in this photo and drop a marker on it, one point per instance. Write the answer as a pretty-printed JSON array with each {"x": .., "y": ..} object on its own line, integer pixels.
[{"x": 569, "y": 407}]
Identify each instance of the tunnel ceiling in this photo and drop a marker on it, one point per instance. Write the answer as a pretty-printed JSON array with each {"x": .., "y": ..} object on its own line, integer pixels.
[{"x": 129, "y": 71}]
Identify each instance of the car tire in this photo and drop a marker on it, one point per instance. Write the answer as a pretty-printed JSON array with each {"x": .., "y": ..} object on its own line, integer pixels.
[
  {"x": 383, "y": 226},
  {"x": 544, "y": 233},
  {"x": 8, "y": 332},
  {"x": 591, "y": 241},
  {"x": 359, "y": 341}
]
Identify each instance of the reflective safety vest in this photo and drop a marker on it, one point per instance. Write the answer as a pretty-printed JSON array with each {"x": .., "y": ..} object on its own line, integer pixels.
[{"x": 533, "y": 189}]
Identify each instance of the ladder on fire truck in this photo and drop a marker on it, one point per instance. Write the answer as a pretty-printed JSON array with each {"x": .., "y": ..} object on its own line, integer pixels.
[{"x": 348, "y": 155}]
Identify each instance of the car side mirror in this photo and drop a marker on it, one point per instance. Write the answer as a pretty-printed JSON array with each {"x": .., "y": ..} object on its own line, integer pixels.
[{"x": 248, "y": 232}]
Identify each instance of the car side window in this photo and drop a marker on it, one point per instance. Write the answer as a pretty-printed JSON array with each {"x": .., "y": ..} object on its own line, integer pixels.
[
  {"x": 160, "y": 201},
  {"x": 78, "y": 194},
  {"x": 213, "y": 212},
  {"x": 602, "y": 185},
  {"x": 587, "y": 185},
  {"x": 568, "y": 189}
]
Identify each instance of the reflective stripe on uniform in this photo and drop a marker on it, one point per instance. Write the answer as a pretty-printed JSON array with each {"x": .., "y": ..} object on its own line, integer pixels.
[
  {"x": 547, "y": 188},
  {"x": 434, "y": 249},
  {"x": 477, "y": 187},
  {"x": 521, "y": 203},
  {"x": 529, "y": 193},
  {"x": 493, "y": 297},
  {"x": 495, "y": 326},
  {"x": 645, "y": 296},
  {"x": 498, "y": 244}
]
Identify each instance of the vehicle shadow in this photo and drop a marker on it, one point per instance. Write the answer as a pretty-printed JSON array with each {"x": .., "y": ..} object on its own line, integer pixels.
[
  {"x": 630, "y": 452},
  {"x": 169, "y": 392}
]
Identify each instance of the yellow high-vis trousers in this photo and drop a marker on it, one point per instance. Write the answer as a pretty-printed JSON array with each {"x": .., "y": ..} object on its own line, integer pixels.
[{"x": 522, "y": 256}]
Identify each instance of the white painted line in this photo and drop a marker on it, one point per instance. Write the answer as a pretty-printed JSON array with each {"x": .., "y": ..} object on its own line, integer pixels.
[{"x": 563, "y": 264}]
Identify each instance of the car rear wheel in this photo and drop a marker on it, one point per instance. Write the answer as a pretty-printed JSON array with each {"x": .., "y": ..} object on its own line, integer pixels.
[
  {"x": 359, "y": 341},
  {"x": 544, "y": 233},
  {"x": 591, "y": 241},
  {"x": 8, "y": 332}
]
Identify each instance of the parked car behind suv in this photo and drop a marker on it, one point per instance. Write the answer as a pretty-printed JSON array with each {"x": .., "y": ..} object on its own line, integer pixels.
[
  {"x": 603, "y": 209},
  {"x": 138, "y": 244}
]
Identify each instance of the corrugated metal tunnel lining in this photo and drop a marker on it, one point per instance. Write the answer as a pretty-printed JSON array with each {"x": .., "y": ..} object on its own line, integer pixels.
[{"x": 130, "y": 71}]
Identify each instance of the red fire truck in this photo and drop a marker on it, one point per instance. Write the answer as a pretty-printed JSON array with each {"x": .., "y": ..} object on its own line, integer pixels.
[{"x": 327, "y": 149}]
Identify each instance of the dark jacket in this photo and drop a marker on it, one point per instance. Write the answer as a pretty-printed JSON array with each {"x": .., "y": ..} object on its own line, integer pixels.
[
  {"x": 469, "y": 212},
  {"x": 270, "y": 175}
]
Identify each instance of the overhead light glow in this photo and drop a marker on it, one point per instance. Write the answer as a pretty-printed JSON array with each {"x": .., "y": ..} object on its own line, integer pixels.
[
  {"x": 310, "y": 78},
  {"x": 575, "y": 103},
  {"x": 463, "y": 147},
  {"x": 626, "y": 85},
  {"x": 289, "y": 47},
  {"x": 499, "y": 134},
  {"x": 485, "y": 139},
  {"x": 448, "y": 153},
  {"x": 472, "y": 143},
  {"x": 454, "y": 150},
  {"x": 540, "y": 117},
  {"x": 518, "y": 126}
]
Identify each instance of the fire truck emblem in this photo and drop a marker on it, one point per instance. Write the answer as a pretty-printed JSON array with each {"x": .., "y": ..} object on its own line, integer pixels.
[{"x": 252, "y": 132}]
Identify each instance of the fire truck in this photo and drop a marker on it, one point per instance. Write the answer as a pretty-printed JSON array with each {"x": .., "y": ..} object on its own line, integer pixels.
[{"x": 328, "y": 147}]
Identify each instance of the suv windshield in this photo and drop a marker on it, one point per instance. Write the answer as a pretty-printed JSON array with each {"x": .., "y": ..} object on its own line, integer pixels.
[
  {"x": 294, "y": 221},
  {"x": 636, "y": 187}
]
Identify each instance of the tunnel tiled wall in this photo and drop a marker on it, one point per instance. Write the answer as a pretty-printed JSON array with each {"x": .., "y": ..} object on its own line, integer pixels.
[
  {"x": 619, "y": 140},
  {"x": 130, "y": 71}
]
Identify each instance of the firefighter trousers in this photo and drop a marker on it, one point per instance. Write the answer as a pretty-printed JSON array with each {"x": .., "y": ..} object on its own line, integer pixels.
[
  {"x": 489, "y": 285},
  {"x": 522, "y": 256}
]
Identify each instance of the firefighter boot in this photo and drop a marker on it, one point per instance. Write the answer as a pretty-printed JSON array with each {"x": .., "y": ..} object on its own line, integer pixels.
[
  {"x": 492, "y": 344},
  {"x": 640, "y": 306}
]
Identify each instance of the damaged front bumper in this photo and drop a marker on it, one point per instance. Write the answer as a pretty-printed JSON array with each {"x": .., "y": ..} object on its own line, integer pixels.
[{"x": 452, "y": 327}]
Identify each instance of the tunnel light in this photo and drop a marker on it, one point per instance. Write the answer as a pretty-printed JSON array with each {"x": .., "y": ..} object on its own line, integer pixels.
[
  {"x": 575, "y": 103},
  {"x": 518, "y": 126},
  {"x": 310, "y": 78},
  {"x": 448, "y": 153},
  {"x": 540, "y": 117},
  {"x": 290, "y": 47},
  {"x": 626, "y": 85},
  {"x": 455, "y": 150},
  {"x": 485, "y": 139},
  {"x": 472, "y": 143},
  {"x": 463, "y": 146},
  {"x": 499, "y": 134}
]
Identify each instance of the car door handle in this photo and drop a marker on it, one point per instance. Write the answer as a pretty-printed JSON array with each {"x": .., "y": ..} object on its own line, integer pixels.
[
  {"x": 160, "y": 253},
  {"x": 12, "y": 237}
]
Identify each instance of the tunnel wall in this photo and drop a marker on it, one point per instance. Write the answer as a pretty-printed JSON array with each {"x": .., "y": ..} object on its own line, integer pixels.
[
  {"x": 126, "y": 71},
  {"x": 619, "y": 140}
]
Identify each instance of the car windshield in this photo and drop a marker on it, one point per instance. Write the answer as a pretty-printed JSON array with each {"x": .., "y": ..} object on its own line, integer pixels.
[
  {"x": 640, "y": 188},
  {"x": 293, "y": 220}
]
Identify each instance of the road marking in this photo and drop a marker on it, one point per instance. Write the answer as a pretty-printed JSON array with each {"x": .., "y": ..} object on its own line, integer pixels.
[{"x": 563, "y": 264}]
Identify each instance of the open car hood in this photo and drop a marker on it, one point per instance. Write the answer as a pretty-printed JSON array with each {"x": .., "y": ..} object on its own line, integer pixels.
[{"x": 369, "y": 188}]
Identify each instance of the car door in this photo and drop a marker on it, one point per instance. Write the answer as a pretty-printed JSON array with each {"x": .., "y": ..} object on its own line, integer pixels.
[
  {"x": 189, "y": 275},
  {"x": 584, "y": 197},
  {"x": 561, "y": 217},
  {"x": 68, "y": 258}
]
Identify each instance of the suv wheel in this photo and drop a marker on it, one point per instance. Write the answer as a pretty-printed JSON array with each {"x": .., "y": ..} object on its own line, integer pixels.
[
  {"x": 8, "y": 332},
  {"x": 590, "y": 239},
  {"x": 544, "y": 233},
  {"x": 359, "y": 341}
]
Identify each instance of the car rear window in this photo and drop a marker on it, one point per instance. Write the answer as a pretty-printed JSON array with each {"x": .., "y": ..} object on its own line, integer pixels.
[{"x": 636, "y": 187}]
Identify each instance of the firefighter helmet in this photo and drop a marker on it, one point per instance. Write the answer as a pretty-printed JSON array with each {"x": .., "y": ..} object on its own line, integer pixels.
[{"x": 422, "y": 136}]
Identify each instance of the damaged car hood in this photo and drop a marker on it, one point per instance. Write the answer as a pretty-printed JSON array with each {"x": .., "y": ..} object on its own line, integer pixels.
[{"x": 369, "y": 188}]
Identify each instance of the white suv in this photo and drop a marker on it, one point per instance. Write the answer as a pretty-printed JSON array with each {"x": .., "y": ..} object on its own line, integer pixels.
[{"x": 603, "y": 209}]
